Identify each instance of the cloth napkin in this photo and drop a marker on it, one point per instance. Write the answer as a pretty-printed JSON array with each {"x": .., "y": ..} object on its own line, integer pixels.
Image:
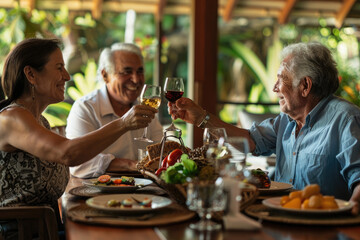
[{"x": 234, "y": 220}]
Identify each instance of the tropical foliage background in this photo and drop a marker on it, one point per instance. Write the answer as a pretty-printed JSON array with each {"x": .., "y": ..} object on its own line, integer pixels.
[{"x": 248, "y": 57}]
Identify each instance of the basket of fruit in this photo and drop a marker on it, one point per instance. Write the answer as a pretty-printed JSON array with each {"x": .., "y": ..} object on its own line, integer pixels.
[{"x": 179, "y": 166}]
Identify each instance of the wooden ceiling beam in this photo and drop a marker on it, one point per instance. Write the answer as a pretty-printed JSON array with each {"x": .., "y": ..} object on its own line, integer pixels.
[
  {"x": 343, "y": 12},
  {"x": 96, "y": 10},
  {"x": 229, "y": 8},
  {"x": 285, "y": 12},
  {"x": 160, "y": 10}
]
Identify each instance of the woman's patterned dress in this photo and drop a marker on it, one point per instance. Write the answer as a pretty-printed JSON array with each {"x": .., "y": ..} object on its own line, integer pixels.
[{"x": 28, "y": 180}]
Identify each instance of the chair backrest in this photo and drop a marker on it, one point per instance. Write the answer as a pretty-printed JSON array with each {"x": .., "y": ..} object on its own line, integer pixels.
[{"x": 30, "y": 216}]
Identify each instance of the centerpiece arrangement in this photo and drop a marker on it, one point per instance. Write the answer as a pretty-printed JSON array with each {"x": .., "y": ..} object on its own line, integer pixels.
[{"x": 180, "y": 166}]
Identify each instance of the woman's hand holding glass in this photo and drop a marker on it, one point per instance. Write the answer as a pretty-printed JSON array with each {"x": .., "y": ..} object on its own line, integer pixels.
[{"x": 150, "y": 96}]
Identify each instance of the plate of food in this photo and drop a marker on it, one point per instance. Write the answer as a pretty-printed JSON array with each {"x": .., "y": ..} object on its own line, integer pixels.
[
  {"x": 106, "y": 183},
  {"x": 262, "y": 181},
  {"x": 308, "y": 200},
  {"x": 128, "y": 203},
  {"x": 276, "y": 187},
  {"x": 275, "y": 203}
]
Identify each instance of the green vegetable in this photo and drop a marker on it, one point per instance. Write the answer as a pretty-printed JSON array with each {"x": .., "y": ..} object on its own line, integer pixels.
[
  {"x": 190, "y": 167},
  {"x": 178, "y": 173}
]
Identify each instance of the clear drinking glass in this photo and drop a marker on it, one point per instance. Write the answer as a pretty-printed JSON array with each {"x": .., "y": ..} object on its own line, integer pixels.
[
  {"x": 212, "y": 136},
  {"x": 239, "y": 148},
  {"x": 205, "y": 197},
  {"x": 150, "y": 96},
  {"x": 173, "y": 89},
  {"x": 236, "y": 169}
]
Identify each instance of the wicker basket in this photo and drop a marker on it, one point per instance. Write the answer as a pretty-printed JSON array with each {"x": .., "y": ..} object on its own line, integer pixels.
[{"x": 177, "y": 192}]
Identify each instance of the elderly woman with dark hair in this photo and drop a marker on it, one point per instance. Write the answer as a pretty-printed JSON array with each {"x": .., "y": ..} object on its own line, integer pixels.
[
  {"x": 316, "y": 137},
  {"x": 34, "y": 161}
]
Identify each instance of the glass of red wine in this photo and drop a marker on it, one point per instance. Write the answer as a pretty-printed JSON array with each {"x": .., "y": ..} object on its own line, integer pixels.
[{"x": 174, "y": 89}]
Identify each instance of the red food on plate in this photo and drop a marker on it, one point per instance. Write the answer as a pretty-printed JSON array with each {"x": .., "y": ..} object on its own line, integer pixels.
[
  {"x": 146, "y": 202},
  {"x": 259, "y": 178},
  {"x": 104, "y": 179},
  {"x": 117, "y": 181}
]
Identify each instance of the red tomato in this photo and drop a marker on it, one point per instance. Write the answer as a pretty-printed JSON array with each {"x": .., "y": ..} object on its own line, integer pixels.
[
  {"x": 174, "y": 156},
  {"x": 157, "y": 173},
  {"x": 117, "y": 181},
  {"x": 104, "y": 178},
  {"x": 164, "y": 163}
]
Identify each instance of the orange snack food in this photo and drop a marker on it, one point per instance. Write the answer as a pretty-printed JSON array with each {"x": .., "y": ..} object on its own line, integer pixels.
[
  {"x": 284, "y": 199},
  {"x": 328, "y": 202},
  {"x": 294, "y": 203},
  {"x": 310, "y": 190},
  {"x": 315, "y": 201},
  {"x": 295, "y": 194},
  {"x": 308, "y": 198}
]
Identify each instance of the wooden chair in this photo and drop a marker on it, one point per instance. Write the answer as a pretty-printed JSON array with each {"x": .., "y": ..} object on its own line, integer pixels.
[{"x": 29, "y": 217}]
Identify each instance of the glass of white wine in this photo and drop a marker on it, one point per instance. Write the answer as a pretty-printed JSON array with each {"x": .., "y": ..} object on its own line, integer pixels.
[{"x": 150, "y": 96}]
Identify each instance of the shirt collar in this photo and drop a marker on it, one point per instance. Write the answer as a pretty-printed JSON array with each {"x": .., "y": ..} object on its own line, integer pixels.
[
  {"x": 310, "y": 118},
  {"x": 104, "y": 102}
]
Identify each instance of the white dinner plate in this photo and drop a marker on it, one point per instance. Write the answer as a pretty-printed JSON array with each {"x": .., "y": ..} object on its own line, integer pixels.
[
  {"x": 100, "y": 202},
  {"x": 274, "y": 203},
  {"x": 139, "y": 182},
  {"x": 276, "y": 187}
]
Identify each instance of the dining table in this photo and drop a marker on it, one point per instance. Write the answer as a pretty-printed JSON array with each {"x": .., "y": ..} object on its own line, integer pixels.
[{"x": 176, "y": 220}]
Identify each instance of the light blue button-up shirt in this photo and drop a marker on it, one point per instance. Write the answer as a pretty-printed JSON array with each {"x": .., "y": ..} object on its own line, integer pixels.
[{"x": 326, "y": 150}]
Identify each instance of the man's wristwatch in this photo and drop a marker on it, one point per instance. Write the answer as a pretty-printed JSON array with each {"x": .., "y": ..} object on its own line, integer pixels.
[{"x": 204, "y": 121}]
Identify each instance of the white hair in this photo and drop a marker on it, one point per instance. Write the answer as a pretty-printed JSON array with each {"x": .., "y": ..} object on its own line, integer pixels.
[{"x": 106, "y": 60}]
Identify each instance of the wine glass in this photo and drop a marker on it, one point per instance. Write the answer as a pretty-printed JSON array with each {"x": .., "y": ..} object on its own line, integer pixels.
[
  {"x": 205, "y": 197},
  {"x": 239, "y": 148},
  {"x": 211, "y": 136},
  {"x": 174, "y": 89},
  {"x": 150, "y": 96},
  {"x": 235, "y": 172},
  {"x": 213, "y": 141}
]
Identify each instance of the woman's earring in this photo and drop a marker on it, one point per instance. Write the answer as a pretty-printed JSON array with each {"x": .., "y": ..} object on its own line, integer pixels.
[{"x": 32, "y": 92}]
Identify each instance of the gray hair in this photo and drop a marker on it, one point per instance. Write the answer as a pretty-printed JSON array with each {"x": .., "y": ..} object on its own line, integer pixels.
[
  {"x": 106, "y": 60},
  {"x": 312, "y": 60}
]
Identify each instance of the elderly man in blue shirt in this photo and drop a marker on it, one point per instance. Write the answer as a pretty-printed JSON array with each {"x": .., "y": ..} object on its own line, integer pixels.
[{"x": 316, "y": 137}]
